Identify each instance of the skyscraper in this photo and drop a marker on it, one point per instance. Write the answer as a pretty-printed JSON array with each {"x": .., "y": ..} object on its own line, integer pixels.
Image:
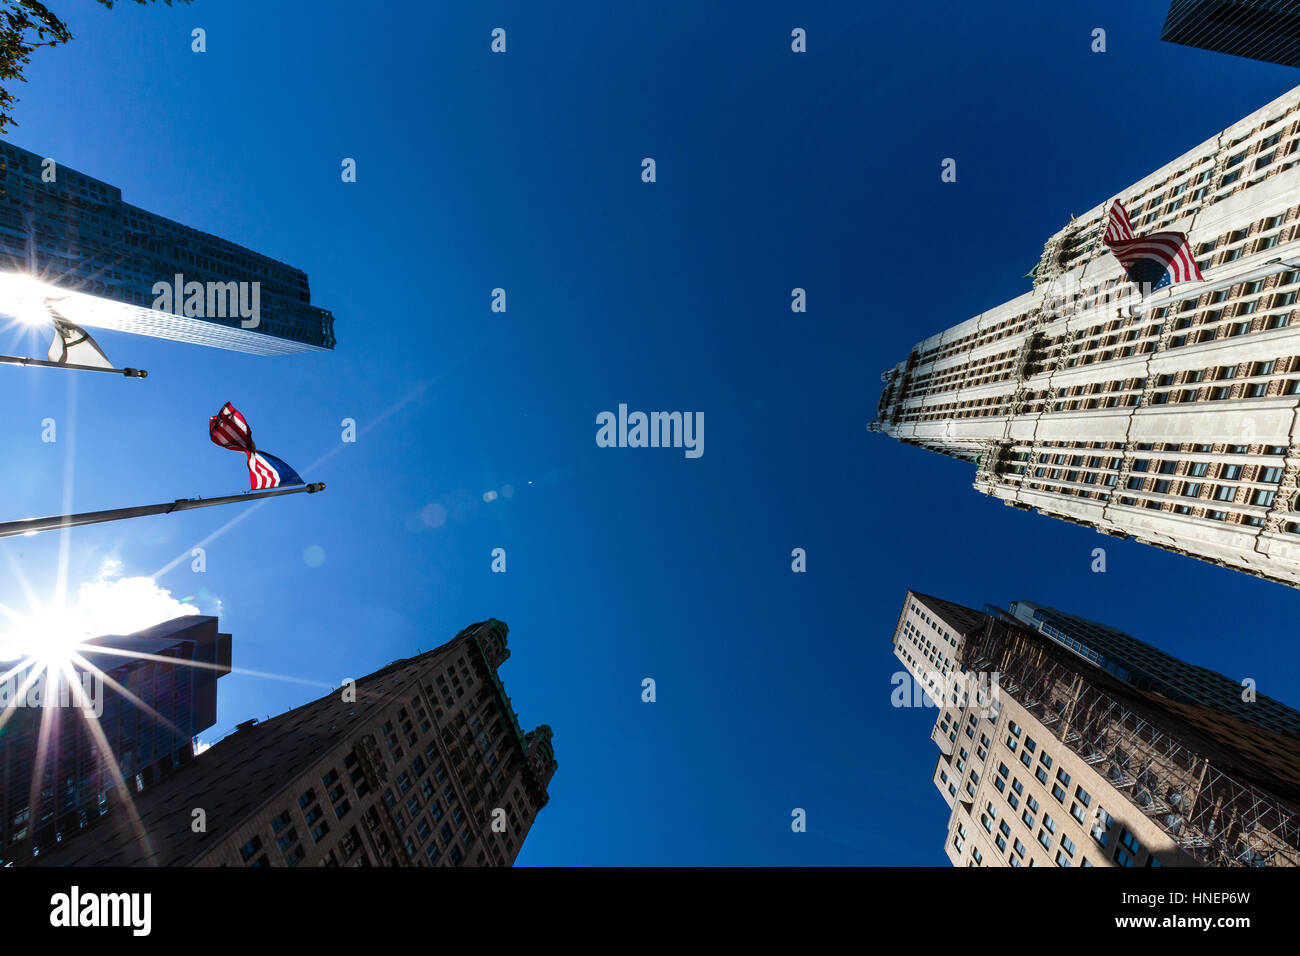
[
  {"x": 1170, "y": 418},
  {"x": 1149, "y": 668},
  {"x": 1053, "y": 754},
  {"x": 422, "y": 763},
  {"x": 1260, "y": 29},
  {"x": 54, "y": 742},
  {"x": 104, "y": 263}
]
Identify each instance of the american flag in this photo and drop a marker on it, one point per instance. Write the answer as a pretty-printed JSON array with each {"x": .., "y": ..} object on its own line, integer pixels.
[
  {"x": 1152, "y": 261},
  {"x": 230, "y": 430}
]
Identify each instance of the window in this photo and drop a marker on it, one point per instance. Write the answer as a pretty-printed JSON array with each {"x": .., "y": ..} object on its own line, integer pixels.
[
  {"x": 249, "y": 849},
  {"x": 1129, "y": 841},
  {"x": 1100, "y": 825}
]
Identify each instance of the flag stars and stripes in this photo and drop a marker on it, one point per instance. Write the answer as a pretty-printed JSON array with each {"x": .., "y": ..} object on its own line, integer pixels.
[
  {"x": 1151, "y": 261},
  {"x": 229, "y": 429}
]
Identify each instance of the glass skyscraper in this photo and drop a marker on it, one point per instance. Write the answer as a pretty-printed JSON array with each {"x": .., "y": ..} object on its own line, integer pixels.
[{"x": 106, "y": 259}]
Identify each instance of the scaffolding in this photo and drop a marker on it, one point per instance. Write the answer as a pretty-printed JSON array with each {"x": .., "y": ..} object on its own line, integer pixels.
[{"x": 1216, "y": 819}]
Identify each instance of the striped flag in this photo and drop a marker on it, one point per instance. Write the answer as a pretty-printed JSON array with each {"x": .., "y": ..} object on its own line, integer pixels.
[
  {"x": 1152, "y": 261},
  {"x": 228, "y": 429}
]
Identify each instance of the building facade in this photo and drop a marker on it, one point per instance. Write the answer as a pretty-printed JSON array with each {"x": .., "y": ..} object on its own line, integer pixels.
[
  {"x": 101, "y": 260},
  {"x": 157, "y": 692},
  {"x": 1170, "y": 417},
  {"x": 1148, "y": 668},
  {"x": 1259, "y": 29},
  {"x": 1049, "y": 758},
  {"x": 422, "y": 763}
]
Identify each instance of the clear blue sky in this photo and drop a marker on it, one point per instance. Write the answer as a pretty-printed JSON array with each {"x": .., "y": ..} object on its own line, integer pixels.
[{"x": 523, "y": 171}]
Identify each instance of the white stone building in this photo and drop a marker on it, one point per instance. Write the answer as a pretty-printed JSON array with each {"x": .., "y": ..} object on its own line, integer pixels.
[{"x": 1171, "y": 418}]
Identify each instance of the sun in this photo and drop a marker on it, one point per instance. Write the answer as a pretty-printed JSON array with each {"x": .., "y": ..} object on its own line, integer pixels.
[
  {"x": 49, "y": 636},
  {"x": 25, "y": 296}
]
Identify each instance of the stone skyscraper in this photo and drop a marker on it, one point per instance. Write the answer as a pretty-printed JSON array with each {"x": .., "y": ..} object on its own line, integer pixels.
[
  {"x": 1173, "y": 419},
  {"x": 427, "y": 766},
  {"x": 1055, "y": 754}
]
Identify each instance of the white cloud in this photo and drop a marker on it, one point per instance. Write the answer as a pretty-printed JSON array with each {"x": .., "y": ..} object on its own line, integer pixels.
[
  {"x": 108, "y": 605},
  {"x": 115, "y": 605}
]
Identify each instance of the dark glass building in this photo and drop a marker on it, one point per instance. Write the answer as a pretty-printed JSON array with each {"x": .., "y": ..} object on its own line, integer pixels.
[
  {"x": 1259, "y": 29},
  {"x": 57, "y": 779},
  {"x": 74, "y": 233}
]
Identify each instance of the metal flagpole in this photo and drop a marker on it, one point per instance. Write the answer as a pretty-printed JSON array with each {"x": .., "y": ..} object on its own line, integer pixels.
[
  {"x": 33, "y": 525},
  {"x": 20, "y": 360}
]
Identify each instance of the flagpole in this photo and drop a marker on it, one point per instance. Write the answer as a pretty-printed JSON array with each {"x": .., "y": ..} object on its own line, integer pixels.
[
  {"x": 21, "y": 360},
  {"x": 34, "y": 525}
]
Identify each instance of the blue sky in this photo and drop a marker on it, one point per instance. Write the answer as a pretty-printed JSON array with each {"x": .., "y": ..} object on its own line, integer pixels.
[{"x": 522, "y": 171}]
